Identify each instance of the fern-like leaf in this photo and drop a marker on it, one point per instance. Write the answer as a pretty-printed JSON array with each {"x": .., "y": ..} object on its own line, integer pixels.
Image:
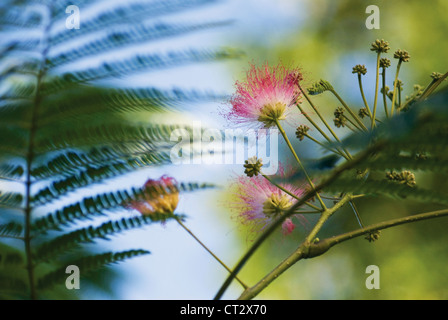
[
  {"x": 66, "y": 242},
  {"x": 138, "y": 34},
  {"x": 128, "y": 14},
  {"x": 70, "y": 163},
  {"x": 88, "y": 264},
  {"x": 11, "y": 229},
  {"x": 98, "y": 205},
  {"x": 10, "y": 171},
  {"x": 93, "y": 175},
  {"x": 10, "y": 199},
  {"x": 144, "y": 62},
  {"x": 102, "y": 134},
  {"x": 81, "y": 102}
]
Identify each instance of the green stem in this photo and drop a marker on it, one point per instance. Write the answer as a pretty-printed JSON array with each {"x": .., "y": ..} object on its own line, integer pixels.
[
  {"x": 349, "y": 120},
  {"x": 395, "y": 88},
  {"x": 314, "y": 124},
  {"x": 308, "y": 212},
  {"x": 349, "y": 110},
  {"x": 285, "y": 137},
  {"x": 322, "y": 119},
  {"x": 29, "y": 161},
  {"x": 376, "y": 89},
  {"x": 433, "y": 86},
  {"x": 326, "y": 244},
  {"x": 319, "y": 114},
  {"x": 209, "y": 251},
  {"x": 326, "y": 147},
  {"x": 348, "y": 126},
  {"x": 303, "y": 251},
  {"x": 363, "y": 96},
  {"x": 383, "y": 75},
  {"x": 355, "y": 210},
  {"x": 290, "y": 193}
]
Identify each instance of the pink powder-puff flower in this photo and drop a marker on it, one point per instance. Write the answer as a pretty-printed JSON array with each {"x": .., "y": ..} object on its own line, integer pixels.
[
  {"x": 265, "y": 96},
  {"x": 258, "y": 202},
  {"x": 162, "y": 197}
]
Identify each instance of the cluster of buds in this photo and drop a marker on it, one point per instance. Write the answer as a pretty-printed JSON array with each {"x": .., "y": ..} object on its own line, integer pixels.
[
  {"x": 253, "y": 166},
  {"x": 384, "y": 63},
  {"x": 386, "y": 90},
  {"x": 339, "y": 118},
  {"x": 405, "y": 177},
  {"x": 301, "y": 132},
  {"x": 402, "y": 55},
  {"x": 362, "y": 113},
  {"x": 380, "y": 46},
  {"x": 359, "y": 69},
  {"x": 373, "y": 236},
  {"x": 436, "y": 76},
  {"x": 399, "y": 84}
]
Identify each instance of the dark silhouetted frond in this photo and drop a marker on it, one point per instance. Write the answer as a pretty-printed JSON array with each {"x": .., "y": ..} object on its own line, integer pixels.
[
  {"x": 92, "y": 175},
  {"x": 69, "y": 163},
  {"x": 66, "y": 242},
  {"x": 139, "y": 63},
  {"x": 99, "y": 204},
  {"x": 104, "y": 134},
  {"x": 11, "y": 229},
  {"x": 81, "y": 102},
  {"x": 128, "y": 14},
  {"x": 135, "y": 34},
  {"x": 88, "y": 264},
  {"x": 10, "y": 199},
  {"x": 11, "y": 171}
]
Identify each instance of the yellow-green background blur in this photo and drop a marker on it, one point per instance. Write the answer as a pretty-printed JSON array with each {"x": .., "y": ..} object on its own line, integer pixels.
[{"x": 331, "y": 39}]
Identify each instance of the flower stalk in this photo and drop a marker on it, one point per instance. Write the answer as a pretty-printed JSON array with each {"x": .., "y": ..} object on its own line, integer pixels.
[{"x": 285, "y": 137}]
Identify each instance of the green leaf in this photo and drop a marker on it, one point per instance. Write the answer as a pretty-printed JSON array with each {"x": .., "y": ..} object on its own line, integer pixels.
[
  {"x": 148, "y": 62},
  {"x": 95, "y": 175},
  {"x": 12, "y": 284},
  {"x": 79, "y": 103},
  {"x": 128, "y": 13},
  {"x": 389, "y": 189},
  {"x": 65, "y": 242},
  {"x": 10, "y": 171},
  {"x": 11, "y": 258},
  {"x": 152, "y": 135},
  {"x": 130, "y": 35},
  {"x": 11, "y": 229},
  {"x": 398, "y": 162},
  {"x": 15, "y": 112},
  {"x": 99, "y": 204},
  {"x": 70, "y": 163},
  {"x": 13, "y": 141},
  {"x": 10, "y": 199},
  {"x": 87, "y": 264}
]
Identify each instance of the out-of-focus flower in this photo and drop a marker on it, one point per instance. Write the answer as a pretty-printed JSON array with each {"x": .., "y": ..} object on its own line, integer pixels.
[
  {"x": 162, "y": 197},
  {"x": 265, "y": 96},
  {"x": 258, "y": 202}
]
